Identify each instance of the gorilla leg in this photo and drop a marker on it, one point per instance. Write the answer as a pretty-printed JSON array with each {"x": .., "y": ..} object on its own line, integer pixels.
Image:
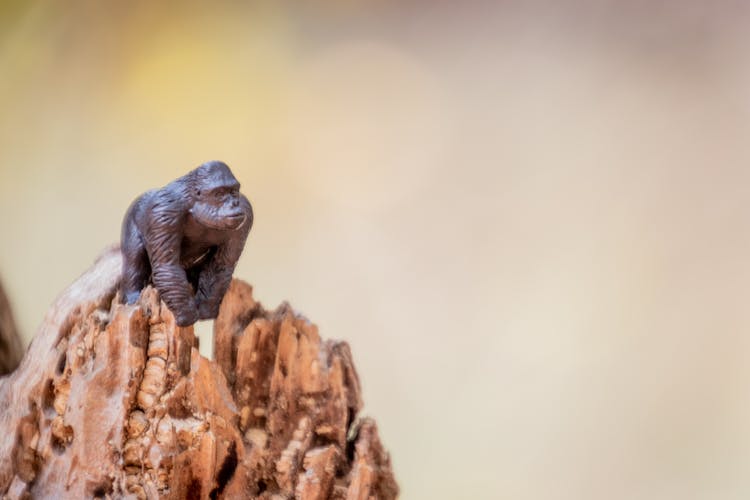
[{"x": 136, "y": 269}]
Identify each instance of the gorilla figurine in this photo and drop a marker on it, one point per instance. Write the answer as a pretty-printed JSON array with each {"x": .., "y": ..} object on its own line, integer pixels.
[{"x": 186, "y": 238}]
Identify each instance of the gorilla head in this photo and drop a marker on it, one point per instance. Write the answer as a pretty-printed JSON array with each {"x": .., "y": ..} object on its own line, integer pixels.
[{"x": 217, "y": 197}]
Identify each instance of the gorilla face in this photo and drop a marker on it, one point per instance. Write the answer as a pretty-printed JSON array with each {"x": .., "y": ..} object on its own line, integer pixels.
[{"x": 218, "y": 204}]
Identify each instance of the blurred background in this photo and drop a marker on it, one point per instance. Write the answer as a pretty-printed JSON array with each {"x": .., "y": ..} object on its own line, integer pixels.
[{"x": 529, "y": 219}]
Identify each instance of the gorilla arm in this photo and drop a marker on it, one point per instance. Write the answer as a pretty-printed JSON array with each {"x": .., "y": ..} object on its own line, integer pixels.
[
  {"x": 163, "y": 237},
  {"x": 215, "y": 277}
]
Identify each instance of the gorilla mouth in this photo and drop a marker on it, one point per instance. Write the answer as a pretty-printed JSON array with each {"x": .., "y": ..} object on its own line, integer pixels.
[
  {"x": 232, "y": 222},
  {"x": 215, "y": 219}
]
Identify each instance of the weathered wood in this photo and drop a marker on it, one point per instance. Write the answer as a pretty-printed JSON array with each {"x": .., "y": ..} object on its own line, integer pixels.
[
  {"x": 116, "y": 401},
  {"x": 11, "y": 349}
]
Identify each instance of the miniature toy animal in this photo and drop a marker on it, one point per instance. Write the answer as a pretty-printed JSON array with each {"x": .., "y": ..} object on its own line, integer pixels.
[{"x": 186, "y": 239}]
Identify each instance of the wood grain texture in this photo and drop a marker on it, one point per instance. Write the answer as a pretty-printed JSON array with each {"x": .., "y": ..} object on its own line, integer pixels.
[{"x": 115, "y": 401}]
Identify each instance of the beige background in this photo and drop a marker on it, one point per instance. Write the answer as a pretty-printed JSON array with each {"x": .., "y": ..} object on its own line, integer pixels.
[{"x": 529, "y": 220}]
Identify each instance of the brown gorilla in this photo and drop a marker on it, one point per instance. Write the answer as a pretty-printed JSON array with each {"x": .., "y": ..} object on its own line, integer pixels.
[{"x": 186, "y": 238}]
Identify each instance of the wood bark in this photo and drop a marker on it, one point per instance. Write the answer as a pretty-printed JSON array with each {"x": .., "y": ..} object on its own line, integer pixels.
[{"x": 115, "y": 401}]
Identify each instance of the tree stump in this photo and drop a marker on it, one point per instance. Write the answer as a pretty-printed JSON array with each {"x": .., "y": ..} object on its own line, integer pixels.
[{"x": 115, "y": 401}]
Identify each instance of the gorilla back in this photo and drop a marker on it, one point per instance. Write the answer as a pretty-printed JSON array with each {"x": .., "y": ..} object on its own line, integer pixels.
[{"x": 186, "y": 238}]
